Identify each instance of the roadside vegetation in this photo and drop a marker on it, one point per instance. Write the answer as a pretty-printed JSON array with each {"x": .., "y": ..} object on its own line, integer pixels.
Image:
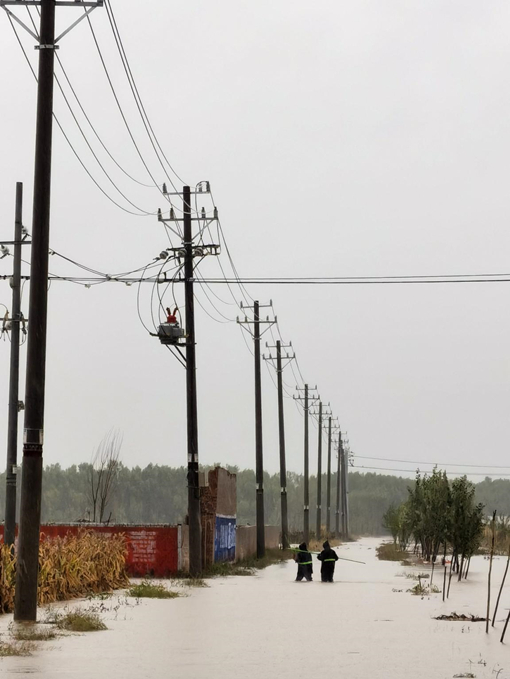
[
  {"x": 32, "y": 632},
  {"x": 70, "y": 567},
  {"x": 20, "y": 648},
  {"x": 79, "y": 620},
  {"x": 439, "y": 517},
  {"x": 151, "y": 590}
]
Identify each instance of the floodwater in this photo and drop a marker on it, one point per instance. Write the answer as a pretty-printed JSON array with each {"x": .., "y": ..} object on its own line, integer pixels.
[{"x": 359, "y": 627}]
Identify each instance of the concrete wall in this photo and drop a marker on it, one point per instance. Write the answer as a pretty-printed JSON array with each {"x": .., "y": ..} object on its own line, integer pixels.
[{"x": 246, "y": 540}]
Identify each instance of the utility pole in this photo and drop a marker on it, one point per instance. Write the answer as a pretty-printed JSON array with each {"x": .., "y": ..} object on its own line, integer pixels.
[
  {"x": 306, "y": 494},
  {"x": 328, "y": 481},
  {"x": 29, "y": 526},
  {"x": 318, "y": 527},
  {"x": 259, "y": 461},
  {"x": 319, "y": 474},
  {"x": 195, "y": 539},
  {"x": 347, "y": 455},
  {"x": 281, "y": 430},
  {"x": 338, "y": 479},
  {"x": 170, "y": 334},
  {"x": 12, "y": 427},
  {"x": 343, "y": 451}
]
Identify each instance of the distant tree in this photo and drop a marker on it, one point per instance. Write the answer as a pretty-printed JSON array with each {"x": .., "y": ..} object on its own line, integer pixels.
[
  {"x": 103, "y": 472},
  {"x": 391, "y": 521}
]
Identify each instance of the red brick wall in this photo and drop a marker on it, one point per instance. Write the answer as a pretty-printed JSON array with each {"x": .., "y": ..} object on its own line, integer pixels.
[{"x": 152, "y": 550}]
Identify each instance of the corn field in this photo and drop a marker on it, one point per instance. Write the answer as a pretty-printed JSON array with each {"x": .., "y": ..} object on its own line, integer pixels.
[{"x": 69, "y": 567}]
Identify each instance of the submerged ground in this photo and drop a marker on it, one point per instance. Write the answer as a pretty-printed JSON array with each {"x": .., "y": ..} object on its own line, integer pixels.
[{"x": 267, "y": 625}]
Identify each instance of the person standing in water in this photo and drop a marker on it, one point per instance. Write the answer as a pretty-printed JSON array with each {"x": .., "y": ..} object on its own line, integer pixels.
[
  {"x": 304, "y": 562},
  {"x": 328, "y": 558}
]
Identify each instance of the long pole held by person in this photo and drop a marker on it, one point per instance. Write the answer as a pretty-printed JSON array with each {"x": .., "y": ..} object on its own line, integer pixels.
[{"x": 12, "y": 427}]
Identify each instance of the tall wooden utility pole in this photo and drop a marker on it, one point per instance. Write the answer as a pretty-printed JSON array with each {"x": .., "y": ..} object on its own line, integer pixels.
[
  {"x": 195, "y": 539},
  {"x": 259, "y": 461},
  {"x": 318, "y": 522},
  {"x": 193, "y": 248},
  {"x": 338, "y": 481},
  {"x": 14, "y": 404},
  {"x": 31, "y": 484},
  {"x": 343, "y": 451},
  {"x": 347, "y": 452},
  {"x": 306, "y": 484},
  {"x": 328, "y": 477},
  {"x": 320, "y": 413},
  {"x": 281, "y": 430}
]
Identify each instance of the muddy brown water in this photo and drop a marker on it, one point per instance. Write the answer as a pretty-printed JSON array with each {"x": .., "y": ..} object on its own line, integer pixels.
[{"x": 359, "y": 627}]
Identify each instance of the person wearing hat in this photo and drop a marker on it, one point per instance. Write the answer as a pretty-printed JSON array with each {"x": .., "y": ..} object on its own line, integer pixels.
[
  {"x": 304, "y": 563},
  {"x": 328, "y": 557}
]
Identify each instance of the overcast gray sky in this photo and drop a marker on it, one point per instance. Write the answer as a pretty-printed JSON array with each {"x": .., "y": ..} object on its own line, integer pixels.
[{"x": 340, "y": 139}]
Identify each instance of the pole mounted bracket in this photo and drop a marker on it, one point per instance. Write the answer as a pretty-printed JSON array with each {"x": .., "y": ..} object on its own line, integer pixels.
[{"x": 30, "y": 3}]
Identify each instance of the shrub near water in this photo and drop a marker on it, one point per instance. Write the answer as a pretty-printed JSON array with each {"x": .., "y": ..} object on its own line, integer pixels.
[
  {"x": 390, "y": 552},
  {"x": 69, "y": 567},
  {"x": 151, "y": 590},
  {"x": 80, "y": 621}
]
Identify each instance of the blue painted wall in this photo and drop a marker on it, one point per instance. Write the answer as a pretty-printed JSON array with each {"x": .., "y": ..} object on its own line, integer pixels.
[{"x": 225, "y": 538}]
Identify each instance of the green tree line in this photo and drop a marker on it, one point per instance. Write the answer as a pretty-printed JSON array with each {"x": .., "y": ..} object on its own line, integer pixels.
[{"x": 158, "y": 494}]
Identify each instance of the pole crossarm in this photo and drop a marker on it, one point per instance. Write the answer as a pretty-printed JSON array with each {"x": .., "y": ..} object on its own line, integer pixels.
[
  {"x": 58, "y": 3},
  {"x": 272, "y": 359},
  {"x": 309, "y": 400},
  {"x": 91, "y": 5},
  {"x": 12, "y": 16},
  {"x": 248, "y": 322}
]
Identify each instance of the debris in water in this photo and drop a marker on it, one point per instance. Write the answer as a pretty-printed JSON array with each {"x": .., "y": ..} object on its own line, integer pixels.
[{"x": 462, "y": 617}]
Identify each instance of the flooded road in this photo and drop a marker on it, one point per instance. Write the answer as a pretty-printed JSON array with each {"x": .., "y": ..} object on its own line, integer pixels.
[{"x": 270, "y": 626}]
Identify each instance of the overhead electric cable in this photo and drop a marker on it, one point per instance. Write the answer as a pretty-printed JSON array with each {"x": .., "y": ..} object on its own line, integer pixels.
[
  {"x": 414, "y": 471},
  {"x": 437, "y": 464},
  {"x": 156, "y": 184},
  {"x": 67, "y": 138},
  {"x": 136, "y": 93}
]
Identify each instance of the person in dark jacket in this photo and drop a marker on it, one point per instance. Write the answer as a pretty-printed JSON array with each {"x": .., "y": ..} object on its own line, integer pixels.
[
  {"x": 304, "y": 562},
  {"x": 328, "y": 558}
]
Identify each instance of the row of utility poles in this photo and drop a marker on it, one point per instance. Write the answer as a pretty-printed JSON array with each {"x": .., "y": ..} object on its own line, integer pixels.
[
  {"x": 312, "y": 405},
  {"x": 33, "y": 438}
]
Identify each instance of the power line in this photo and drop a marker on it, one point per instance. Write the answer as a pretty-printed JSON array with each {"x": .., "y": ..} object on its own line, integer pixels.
[
  {"x": 156, "y": 185},
  {"x": 440, "y": 464},
  {"x": 414, "y": 471},
  {"x": 136, "y": 93},
  {"x": 67, "y": 138},
  {"x": 490, "y": 278}
]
